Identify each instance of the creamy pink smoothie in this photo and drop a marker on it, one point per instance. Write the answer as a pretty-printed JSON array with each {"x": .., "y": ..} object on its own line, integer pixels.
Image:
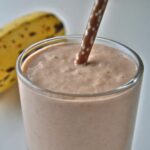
[{"x": 77, "y": 122}]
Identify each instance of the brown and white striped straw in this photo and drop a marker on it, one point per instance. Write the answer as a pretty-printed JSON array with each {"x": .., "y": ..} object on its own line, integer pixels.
[{"x": 91, "y": 31}]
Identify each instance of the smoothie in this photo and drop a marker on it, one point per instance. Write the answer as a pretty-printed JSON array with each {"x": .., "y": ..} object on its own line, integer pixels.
[
  {"x": 53, "y": 68},
  {"x": 79, "y": 107}
]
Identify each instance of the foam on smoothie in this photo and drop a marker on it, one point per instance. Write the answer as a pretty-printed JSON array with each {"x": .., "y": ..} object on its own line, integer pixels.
[{"x": 53, "y": 68}]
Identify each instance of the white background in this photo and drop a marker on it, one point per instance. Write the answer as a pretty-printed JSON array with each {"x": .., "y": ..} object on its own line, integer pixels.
[{"x": 127, "y": 21}]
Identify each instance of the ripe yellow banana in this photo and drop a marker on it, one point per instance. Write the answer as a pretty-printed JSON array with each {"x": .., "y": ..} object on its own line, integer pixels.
[{"x": 18, "y": 35}]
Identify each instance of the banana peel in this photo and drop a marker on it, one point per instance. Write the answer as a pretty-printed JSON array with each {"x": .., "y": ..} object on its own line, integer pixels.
[{"x": 18, "y": 35}]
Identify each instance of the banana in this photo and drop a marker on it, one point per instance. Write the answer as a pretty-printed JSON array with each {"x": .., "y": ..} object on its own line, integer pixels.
[{"x": 18, "y": 35}]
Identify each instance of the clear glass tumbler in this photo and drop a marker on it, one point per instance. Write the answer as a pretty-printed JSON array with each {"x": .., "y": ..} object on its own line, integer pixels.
[{"x": 64, "y": 121}]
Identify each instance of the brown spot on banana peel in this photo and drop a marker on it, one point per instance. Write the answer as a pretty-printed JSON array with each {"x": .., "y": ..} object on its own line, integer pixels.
[
  {"x": 32, "y": 34},
  {"x": 9, "y": 32},
  {"x": 12, "y": 80},
  {"x": 19, "y": 45},
  {"x": 6, "y": 77},
  {"x": 27, "y": 23},
  {"x": 22, "y": 35},
  {"x": 13, "y": 41},
  {"x": 19, "y": 52},
  {"x": 58, "y": 27},
  {"x": 10, "y": 69},
  {"x": 49, "y": 15},
  {"x": 48, "y": 28},
  {"x": 4, "y": 46}
]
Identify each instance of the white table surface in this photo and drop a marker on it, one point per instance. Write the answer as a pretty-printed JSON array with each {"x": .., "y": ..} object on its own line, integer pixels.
[{"x": 127, "y": 21}]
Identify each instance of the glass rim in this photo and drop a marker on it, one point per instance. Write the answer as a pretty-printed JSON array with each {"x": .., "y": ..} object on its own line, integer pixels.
[{"x": 116, "y": 90}]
